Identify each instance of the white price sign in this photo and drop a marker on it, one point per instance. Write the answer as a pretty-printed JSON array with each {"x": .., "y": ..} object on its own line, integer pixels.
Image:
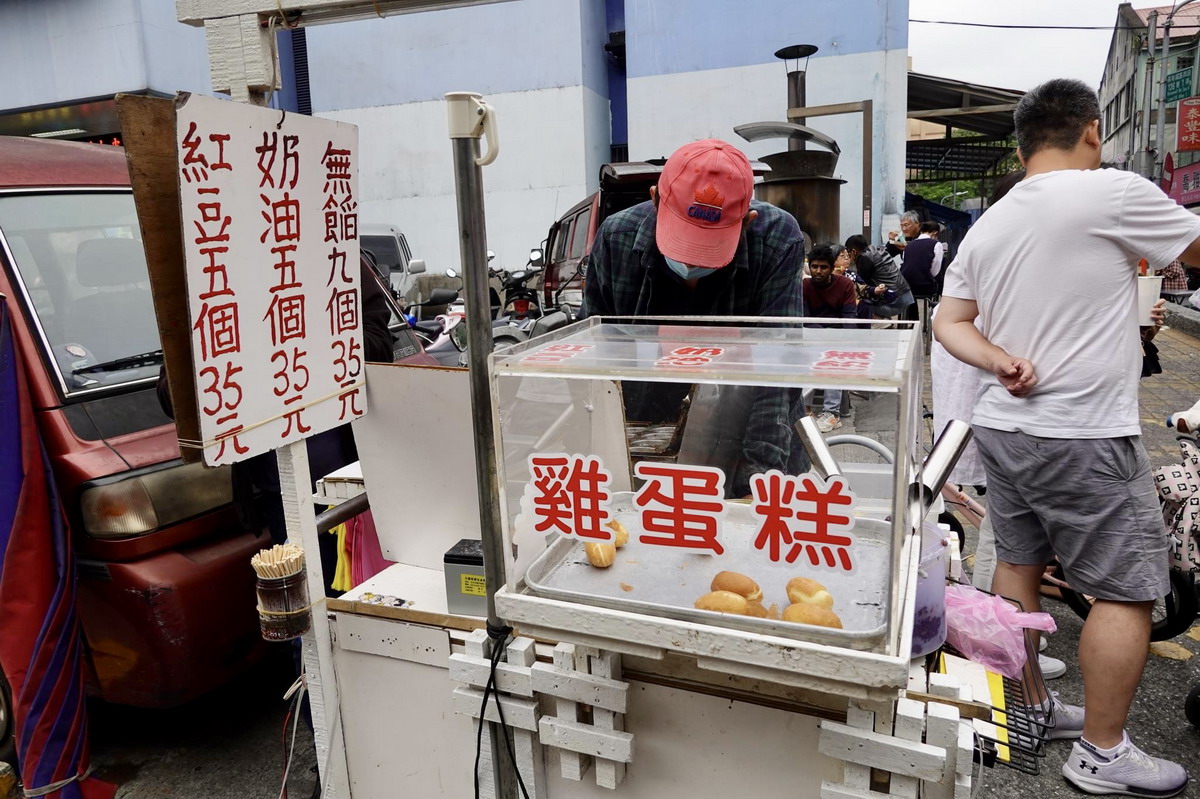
[{"x": 270, "y": 230}]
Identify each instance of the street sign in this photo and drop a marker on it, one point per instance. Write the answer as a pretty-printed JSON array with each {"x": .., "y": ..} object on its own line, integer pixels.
[
  {"x": 1187, "y": 125},
  {"x": 272, "y": 259},
  {"x": 1179, "y": 85}
]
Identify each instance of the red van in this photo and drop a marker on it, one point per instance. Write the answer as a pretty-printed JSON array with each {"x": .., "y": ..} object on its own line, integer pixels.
[{"x": 166, "y": 592}]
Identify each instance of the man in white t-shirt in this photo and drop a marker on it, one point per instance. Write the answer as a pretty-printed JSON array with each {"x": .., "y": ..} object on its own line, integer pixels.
[{"x": 1050, "y": 271}]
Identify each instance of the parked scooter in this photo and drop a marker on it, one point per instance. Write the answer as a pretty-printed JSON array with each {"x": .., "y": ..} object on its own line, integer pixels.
[{"x": 439, "y": 334}]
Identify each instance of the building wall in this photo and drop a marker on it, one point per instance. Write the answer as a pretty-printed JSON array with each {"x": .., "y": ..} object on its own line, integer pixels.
[
  {"x": 698, "y": 68},
  {"x": 541, "y": 65},
  {"x": 58, "y": 51}
]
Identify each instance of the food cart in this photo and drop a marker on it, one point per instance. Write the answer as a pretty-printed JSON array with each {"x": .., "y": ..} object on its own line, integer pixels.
[{"x": 614, "y": 679}]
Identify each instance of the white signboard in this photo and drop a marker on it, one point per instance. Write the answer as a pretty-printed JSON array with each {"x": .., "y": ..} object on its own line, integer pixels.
[{"x": 270, "y": 229}]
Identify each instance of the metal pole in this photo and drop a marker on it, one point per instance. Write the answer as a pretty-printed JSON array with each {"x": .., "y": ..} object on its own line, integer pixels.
[
  {"x": 472, "y": 235},
  {"x": 1161, "y": 116},
  {"x": 796, "y": 99},
  {"x": 1145, "y": 158},
  {"x": 472, "y": 240}
]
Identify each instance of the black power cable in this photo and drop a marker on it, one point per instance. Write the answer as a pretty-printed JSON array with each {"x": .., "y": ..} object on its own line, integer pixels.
[{"x": 498, "y": 635}]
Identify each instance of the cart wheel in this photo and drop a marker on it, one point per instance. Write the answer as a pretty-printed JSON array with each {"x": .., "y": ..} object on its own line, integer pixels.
[
  {"x": 1172, "y": 615},
  {"x": 1191, "y": 706},
  {"x": 950, "y": 520}
]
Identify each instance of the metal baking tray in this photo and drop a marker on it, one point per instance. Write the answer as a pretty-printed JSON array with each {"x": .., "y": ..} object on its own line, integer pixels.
[{"x": 666, "y": 581}]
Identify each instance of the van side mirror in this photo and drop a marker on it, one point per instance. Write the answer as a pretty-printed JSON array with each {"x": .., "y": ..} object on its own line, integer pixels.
[
  {"x": 416, "y": 266},
  {"x": 536, "y": 256}
]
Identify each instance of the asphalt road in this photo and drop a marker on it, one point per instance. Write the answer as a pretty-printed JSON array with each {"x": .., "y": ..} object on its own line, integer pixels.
[{"x": 230, "y": 745}]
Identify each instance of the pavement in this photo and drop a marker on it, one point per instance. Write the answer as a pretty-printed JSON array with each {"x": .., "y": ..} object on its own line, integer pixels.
[{"x": 229, "y": 745}]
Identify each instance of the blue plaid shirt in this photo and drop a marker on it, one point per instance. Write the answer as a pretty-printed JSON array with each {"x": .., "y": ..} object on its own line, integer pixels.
[{"x": 627, "y": 276}]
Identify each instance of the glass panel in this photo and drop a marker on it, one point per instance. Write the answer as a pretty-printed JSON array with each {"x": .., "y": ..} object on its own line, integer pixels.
[
  {"x": 80, "y": 259},
  {"x": 665, "y": 425},
  {"x": 580, "y": 234}
]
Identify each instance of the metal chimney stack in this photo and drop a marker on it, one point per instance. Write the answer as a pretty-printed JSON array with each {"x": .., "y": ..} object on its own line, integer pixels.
[{"x": 795, "y": 81}]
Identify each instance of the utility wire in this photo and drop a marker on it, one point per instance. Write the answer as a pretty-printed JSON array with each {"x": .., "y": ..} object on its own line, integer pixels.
[{"x": 1174, "y": 26}]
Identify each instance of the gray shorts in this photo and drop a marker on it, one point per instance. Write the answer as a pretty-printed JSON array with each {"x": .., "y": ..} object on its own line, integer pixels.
[{"x": 1091, "y": 503}]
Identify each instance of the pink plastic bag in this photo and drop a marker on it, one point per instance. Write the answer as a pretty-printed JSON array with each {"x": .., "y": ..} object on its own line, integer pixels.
[
  {"x": 367, "y": 558},
  {"x": 989, "y": 630}
]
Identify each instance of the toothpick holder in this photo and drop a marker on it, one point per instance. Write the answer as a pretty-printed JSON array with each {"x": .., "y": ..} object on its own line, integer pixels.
[{"x": 284, "y": 611}]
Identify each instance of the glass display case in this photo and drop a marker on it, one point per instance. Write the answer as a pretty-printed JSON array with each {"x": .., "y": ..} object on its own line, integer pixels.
[{"x": 654, "y": 479}]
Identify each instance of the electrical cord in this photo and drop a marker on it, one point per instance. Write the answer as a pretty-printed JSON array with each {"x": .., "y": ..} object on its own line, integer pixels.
[
  {"x": 499, "y": 636},
  {"x": 293, "y": 714}
]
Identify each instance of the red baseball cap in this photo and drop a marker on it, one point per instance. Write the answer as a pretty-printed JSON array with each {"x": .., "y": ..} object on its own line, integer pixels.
[{"x": 704, "y": 192}]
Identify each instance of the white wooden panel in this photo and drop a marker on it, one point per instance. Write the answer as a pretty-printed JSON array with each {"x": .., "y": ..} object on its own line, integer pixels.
[
  {"x": 467, "y": 670},
  {"x": 403, "y": 737},
  {"x": 941, "y": 730},
  {"x": 520, "y": 713},
  {"x": 609, "y": 773},
  {"x": 415, "y": 642},
  {"x": 421, "y": 508},
  {"x": 831, "y": 791},
  {"x": 578, "y": 737},
  {"x": 579, "y": 687},
  {"x": 880, "y": 751}
]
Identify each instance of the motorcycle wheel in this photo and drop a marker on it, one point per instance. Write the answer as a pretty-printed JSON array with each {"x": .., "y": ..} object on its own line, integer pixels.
[
  {"x": 8, "y": 741},
  {"x": 1191, "y": 706},
  {"x": 1171, "y": 616}
]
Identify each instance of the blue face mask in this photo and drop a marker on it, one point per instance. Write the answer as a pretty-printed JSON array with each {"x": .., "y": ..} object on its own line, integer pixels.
[{"x": 688, "y": 272}]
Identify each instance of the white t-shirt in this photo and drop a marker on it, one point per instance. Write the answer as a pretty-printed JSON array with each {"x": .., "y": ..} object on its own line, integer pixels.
[{"x": 1053, "y": 269}]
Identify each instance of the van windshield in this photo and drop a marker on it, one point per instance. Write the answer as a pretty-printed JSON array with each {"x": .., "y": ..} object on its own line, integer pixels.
[{"x": 79, "y": 261}]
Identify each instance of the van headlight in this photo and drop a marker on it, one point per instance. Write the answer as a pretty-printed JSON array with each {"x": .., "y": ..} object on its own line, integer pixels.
[{"x": 143, "y": 503}]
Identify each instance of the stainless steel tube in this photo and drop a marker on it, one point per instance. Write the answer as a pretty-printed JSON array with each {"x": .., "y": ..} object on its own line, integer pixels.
[
  {"x": 823, "y": 462},
  {"x": 944, "y": 455},
  {"x": 472, "y": 239}
]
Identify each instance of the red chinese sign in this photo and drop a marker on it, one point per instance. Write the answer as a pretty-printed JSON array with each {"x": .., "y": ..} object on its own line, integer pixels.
[
  {"x": 804, "y": 515},
  {"x": 271, "y": 252},
  {"x": 1185, "y": 184},
  {"x": 690, "y": 356},
  {"x": 803, "y": 518},
  {"x": 844, "y": 361},
  {"x": 571, "y": 496},
  {"x": 1187, "y": 125},
  {"x": 681, "y": 505},
  {"x": 555, "y": 353}
]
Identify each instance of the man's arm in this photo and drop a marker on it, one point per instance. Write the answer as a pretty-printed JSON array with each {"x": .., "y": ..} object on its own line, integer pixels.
[
  {"x": 849, "y": 301},
  {"x": 1192, "y": 254},
  {"x": 954, "y": 326},
  {"x": 769, "y": 436},
  {"x": 597, "y": 293}
]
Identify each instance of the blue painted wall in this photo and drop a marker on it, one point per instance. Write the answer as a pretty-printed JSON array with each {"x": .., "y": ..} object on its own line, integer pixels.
[
  {"x": 497, "y": 48},
  {"x": 617, "y": 89},
  {"x": 670, "y": 36}
]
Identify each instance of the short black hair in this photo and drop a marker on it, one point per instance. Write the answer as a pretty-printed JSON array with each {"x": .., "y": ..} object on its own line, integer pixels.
[
  {"x": 930, "y": 226},
  {"x": 857, "y": 242},
  {"x": 1054, "y": 115},
  {"x": 823, "y": 253}
]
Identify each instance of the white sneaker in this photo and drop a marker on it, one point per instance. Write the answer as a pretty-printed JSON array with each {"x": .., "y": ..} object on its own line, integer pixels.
[
  {"x": 1052, "y": 668},
  {"x": 828, "y": 421},
  {"x": 1131, "y": 772},
  {"x": 1042, "y": 644}
]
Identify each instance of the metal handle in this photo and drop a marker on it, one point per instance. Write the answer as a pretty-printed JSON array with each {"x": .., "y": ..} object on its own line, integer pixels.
[{"x": 936, "y": 469}]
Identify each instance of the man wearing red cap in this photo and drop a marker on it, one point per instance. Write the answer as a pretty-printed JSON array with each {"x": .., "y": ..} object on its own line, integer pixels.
[{"x": 703, "y": 246}]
